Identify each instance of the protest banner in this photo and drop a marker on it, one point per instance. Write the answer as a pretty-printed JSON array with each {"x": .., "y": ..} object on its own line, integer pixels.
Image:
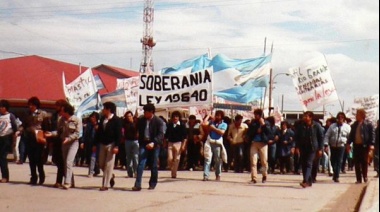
[
  {"x": 131, "y": 90},
  {"x": 313, "y": 83},
  {"x": 167, "y": 91},
  {"x": 369, "y": 104},
  {"x": 80, "y": 89},
  {"x": 200, "y": 111}
]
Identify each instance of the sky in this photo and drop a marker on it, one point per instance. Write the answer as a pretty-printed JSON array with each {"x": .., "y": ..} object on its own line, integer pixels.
[{"x": 97, "y": 32}]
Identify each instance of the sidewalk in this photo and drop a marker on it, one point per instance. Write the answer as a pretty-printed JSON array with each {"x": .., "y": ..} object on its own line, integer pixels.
[{"x": 370, "y": 200}]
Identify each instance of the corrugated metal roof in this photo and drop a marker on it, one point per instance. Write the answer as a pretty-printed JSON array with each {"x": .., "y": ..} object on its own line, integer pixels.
[{"x": 24, "y": 77}]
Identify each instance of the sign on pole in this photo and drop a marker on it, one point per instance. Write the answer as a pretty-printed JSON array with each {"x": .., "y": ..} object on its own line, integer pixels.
[{"x": 314, "y": 84}]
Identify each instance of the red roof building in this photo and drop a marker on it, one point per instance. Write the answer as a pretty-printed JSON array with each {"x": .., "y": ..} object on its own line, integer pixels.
[{"x": 24, "y": 77}]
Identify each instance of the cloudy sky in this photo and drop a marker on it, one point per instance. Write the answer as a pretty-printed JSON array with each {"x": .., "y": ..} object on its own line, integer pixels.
[{"x": 109, "y": 32}]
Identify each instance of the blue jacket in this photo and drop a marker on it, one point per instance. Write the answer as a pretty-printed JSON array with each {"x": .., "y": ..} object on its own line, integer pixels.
[
  {"x": 285, "y": 149},
  {"x": 312, "y": 143},
  {"x": 253, "y": 131}
]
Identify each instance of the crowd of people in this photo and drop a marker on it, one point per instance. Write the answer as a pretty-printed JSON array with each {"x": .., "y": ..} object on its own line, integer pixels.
[{"x": 104, "y": 141}]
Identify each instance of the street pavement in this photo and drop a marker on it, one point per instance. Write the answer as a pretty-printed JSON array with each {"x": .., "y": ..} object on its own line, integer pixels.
[{"x": 186, "y": 193}]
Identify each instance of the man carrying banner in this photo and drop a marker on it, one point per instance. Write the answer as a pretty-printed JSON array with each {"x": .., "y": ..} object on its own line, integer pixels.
[{"x": 214, "y": 144}]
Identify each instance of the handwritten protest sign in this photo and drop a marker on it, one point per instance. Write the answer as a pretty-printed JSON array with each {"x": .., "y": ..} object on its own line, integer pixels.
[
  {"x": 81, "y": 88},
  {"x": 131, "y": 89},
  {"x": 313, "y": 83},
  {"x": 369, "y": 104},
  {"x": 166, "y": 91}
]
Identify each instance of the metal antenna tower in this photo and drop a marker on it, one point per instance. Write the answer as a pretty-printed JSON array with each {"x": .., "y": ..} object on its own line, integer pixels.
[{"x": 147, "y": 40}]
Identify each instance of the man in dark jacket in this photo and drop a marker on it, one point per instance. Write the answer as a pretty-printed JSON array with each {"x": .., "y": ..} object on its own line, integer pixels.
[
  {"x": 151, "y": 134},
  {"x": 309, "y": 144},
  {"x": 363, "y": 138}
]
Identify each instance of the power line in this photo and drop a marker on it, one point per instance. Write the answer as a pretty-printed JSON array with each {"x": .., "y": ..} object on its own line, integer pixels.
[{"x": 123, "y": 9}]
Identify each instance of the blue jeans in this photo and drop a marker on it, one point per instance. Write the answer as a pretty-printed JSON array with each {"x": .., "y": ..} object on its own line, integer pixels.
[
  {"x": 272, "y": 152},
  {"x": 307, "y": 159},
  {"x": 238, "y": 150},
  {"x": 337, "y": 160},
  {"x": 132, "y": 155},
  {"x": 216, "y": 150},
  {"x": 151, "y": 156}
]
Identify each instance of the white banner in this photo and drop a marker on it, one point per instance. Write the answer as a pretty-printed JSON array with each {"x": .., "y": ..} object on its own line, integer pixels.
[
  {"x": 200, "y": 111},
  {"x": 314, "y": 84},
  {"x": 369, "y": 104},
  {"x": 81, "y": 88},
  {"x": 131, "y": 90},
  {"x": 167, "y": 91}
]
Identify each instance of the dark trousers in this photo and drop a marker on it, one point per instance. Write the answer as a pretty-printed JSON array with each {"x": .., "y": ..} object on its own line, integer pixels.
[
  {"x": 151, "y": 156},
  {"x": 4, "y": 147},
  {"x": 35, "y": 155},
  {"x": 193, "y": 154},
  {"x": 314, "y": 170},
  {"x": 337, "y": 154},
  {"x": 272, "y": 152},
  {"x": 238, "y": 155},
  {"x": 307, "y": 159},
  {"x": 344, "y": 161},
  {"x": 285, "y": 163},
  {"x": 227, "y": 146},
  {"x": 297, "y": 163},
  {"x": 58, "y": 161},
  {"x": 361, "y": 162}
]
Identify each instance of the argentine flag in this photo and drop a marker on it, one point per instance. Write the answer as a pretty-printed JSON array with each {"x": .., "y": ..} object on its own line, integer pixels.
[
  {"x": 241, "y": 80},
  {"x": 188, "y": 66},
  {"x": 117, "y": 97},
  {"x": 89, "y": 105},
  {"x": 236, "y": 80}
]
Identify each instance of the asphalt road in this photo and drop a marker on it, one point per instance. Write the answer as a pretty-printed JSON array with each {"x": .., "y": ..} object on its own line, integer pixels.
[{"x": 186, "y": 193}]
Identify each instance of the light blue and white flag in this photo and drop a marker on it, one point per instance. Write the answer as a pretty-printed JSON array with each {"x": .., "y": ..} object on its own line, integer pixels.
[
  {"x": 241, "y": 80},
  {"x": 188, "y": 66},
  {"x": 99, "y": 82},
  {"x": 91, "y": 104},
  {"x": 117, "y": 97},
  {"x": 236, "y": 80}
]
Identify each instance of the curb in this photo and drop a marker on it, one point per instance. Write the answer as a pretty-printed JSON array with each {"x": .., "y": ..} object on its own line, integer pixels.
[{"x": 370, "y": 200}]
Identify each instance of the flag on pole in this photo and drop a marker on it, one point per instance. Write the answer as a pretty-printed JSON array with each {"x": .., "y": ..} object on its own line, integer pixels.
[
  {"x": 99, "y": 82},
  {"x": 241, "y": 80},
  {"x": 235, "y": 80},
  {"x": 89, "y": 105},
  {"x": 117, "y": 97}
]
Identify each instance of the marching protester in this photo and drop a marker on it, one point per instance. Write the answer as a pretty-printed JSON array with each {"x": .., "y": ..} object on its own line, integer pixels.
[
  {"x": 151, "y": 132},
  {"x": 336, "y": 138},
  {"x": 69, "y": 129},
  {"x": 285, "y": 146},
  {"x": 309, "y": 144},
  {"x": 8, "y": 127},
  {"x": 258, "y": 134},
  {"x": 176, "y": 139},
  {"x": 236, "y": 136},
  {"x": 108, "y": 136},
  {"x": 131, "y": 143},
  {"x": 194, "y": 143},
  {"x": 52, "y": 138},
  {"x": 35, "y": 142},
  {"x": 376, "y": 162},
  {"x": 88, "y": 141},
  {"x": 273, "y": 137},
  {"x": 362, "y": 136},
  {"x": 214, "y": 144}
]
